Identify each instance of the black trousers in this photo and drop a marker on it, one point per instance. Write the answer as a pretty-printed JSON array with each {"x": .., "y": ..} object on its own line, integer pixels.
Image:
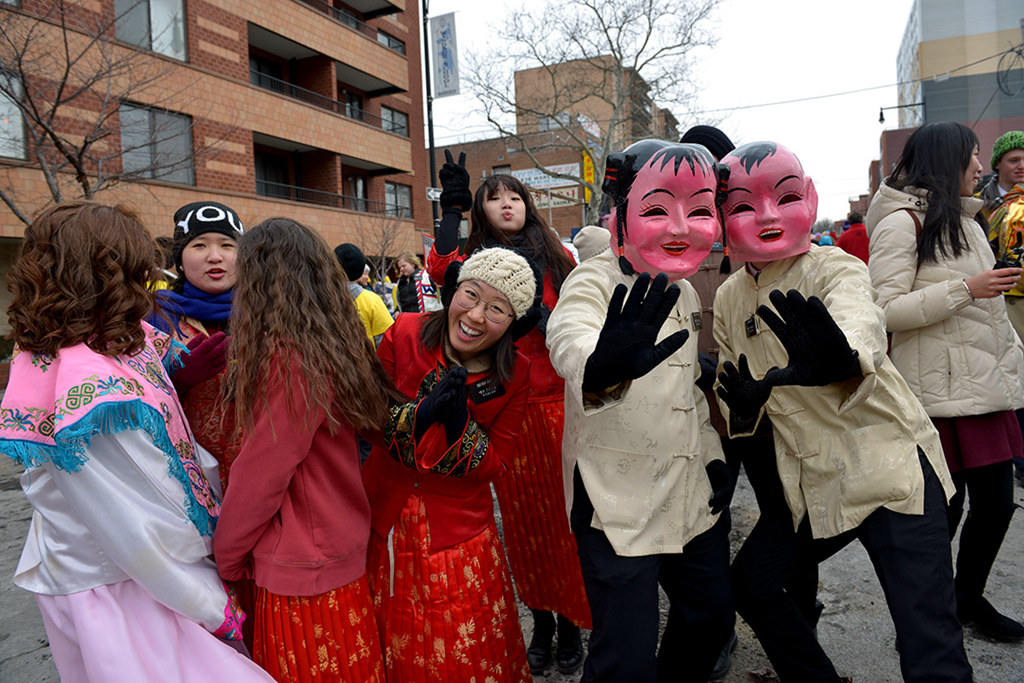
[
  {"x": 911, "y": 557},
  {"x": 623, "y": 596},
  {"x": 990, "y": 489}
]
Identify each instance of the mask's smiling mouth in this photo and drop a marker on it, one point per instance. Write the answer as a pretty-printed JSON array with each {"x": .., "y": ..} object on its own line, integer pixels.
[
  {"x": 675, "y": 248},
  {"x": 770, "y": 234}
]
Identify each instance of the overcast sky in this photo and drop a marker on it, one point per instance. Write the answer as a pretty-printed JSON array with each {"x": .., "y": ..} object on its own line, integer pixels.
[{"x": 767, "y": 52}]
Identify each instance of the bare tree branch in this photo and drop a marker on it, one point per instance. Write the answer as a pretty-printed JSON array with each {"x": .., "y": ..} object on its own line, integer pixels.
[
  {"x": 608, "y": 60},
  {"x": 70, "y": 81}
]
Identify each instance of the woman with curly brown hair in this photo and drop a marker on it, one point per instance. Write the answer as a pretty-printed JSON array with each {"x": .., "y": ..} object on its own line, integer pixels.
[
  {"x": 302, "y": 380},
  {"x": 119, "y": 550}
]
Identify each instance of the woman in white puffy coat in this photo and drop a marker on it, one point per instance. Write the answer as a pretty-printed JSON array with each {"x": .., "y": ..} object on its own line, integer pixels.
[{"x": 952, "y": 340}]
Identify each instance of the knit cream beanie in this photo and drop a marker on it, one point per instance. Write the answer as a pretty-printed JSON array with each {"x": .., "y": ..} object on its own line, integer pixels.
[{"x": 507, "y": 272}]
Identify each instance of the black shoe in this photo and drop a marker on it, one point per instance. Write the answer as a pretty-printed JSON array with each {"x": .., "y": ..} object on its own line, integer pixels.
[
  {"x": 989, "y": 621},
  {"x": 725, "y": 657},
  {"x": 538, "y": 654},
  {"x": 569, "y": 656}
]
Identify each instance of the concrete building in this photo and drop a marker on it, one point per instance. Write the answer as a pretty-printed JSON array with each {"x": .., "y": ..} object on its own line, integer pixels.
[
  {"x": 948, "y": 68},
  {"x": 302, "y": 108},
  {"x": 548, "y": 101}
]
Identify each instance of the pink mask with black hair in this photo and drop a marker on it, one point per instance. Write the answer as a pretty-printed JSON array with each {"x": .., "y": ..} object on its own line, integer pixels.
[
  {"x": 770, "y": 204},
  {"x": 671, "y": 223}
]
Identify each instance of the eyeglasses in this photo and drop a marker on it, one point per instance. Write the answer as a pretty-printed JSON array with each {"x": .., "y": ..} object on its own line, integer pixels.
[{"x": 496, "y": 311}]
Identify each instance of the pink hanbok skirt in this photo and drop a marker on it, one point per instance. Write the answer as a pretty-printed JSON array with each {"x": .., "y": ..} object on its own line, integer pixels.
[{"x": 118, "y": 633}]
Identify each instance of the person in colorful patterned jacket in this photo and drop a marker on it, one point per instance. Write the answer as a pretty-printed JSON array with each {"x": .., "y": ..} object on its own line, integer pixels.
[
  {"x": 441, "y": 586},
  {"x": 125, "y": 502},
  {"x": 541, "y": 548},
  {"x": 296, "y": 520}
]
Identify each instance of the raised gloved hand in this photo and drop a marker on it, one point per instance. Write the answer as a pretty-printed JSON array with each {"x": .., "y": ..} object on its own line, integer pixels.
[
  {"x": 207, "y": 357},
  {"x": 536, "y": 316},
  {"x": 626, "y": 347},
  {"x": 723, "y": 485},
  {"x": 742, "y": 393},
  {"x": 442, "y": 404},
  {"x": 708, "y": 366},
  {"x": 454, "y": 179},
  {"x": 818, "y": 351}
]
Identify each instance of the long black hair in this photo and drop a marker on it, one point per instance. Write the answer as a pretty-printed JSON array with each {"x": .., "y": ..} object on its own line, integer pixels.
[
  {"x": 621, "y": 170},
  {"x": 537, "y": 242},
  {"x": 934, "y": 159}
]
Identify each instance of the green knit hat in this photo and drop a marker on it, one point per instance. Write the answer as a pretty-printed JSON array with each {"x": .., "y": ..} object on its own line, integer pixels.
[{"x": 1013, "y": 139}]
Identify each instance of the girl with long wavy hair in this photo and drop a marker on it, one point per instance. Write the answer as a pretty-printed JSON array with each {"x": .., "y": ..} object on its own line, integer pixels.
[
  {"x": 541, "y": 548},
  {"x": 932, "y": 267},
  {"x": 441, "y": 586},
  {"x": 119, "y": 549},
  {"x": 302, "y": 381}
]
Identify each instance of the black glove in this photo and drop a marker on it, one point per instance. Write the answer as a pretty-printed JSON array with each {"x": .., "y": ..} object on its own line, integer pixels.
[
  {"x": 454, "y": 179},
  {"x": 818, "y": 351},
  {"x": 742, "y": 393},
  {"x": 626, "y": 347},
  {"x": 441, "y": 404},
  {"x": 723, "y": 485},
  {"x": 706, "y": 379}
]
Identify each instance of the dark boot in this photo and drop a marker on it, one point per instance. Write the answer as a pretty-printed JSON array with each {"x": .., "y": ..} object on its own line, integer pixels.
[
  {"x": 989, "y": 621},
  {"x": 569, "y": 656},
  {"x": 538, "y": 654},
  {"x": 724, "y": 662}
]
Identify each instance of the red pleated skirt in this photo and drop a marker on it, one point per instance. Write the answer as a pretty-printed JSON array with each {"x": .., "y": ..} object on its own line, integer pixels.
[
  {"x": 541, "y": 548},
  {"x": 448, "y": 615},
  {"x": 327, "y": 638}
]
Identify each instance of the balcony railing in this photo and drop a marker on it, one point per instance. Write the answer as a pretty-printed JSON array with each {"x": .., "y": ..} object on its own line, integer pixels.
[
  {"x": 350, "y": 20},
  {"x": 316, "y": 99},
  {"x": 266, "y": 188}
]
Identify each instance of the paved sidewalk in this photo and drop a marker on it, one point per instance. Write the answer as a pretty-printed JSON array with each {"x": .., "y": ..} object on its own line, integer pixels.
[{"x": 855, "y": 628}]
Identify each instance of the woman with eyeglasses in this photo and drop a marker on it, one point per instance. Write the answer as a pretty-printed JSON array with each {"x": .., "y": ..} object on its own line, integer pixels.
[
  {"x": 441, "y": 588},
  {"x": 541, "y": 548}
]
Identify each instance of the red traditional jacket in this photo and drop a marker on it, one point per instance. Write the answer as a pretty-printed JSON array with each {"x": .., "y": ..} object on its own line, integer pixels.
[{"x": 453, "y": 481}]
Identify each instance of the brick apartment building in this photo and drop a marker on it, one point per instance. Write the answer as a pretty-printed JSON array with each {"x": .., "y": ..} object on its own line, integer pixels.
[
  {"x": 571, "y": 95},
  {"x": 303, "y": 108}
]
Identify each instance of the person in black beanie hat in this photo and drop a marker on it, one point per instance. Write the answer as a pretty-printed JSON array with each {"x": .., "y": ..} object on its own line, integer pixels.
[
  {"x": 717, "y": 142},
  {"x": 372, "y": 309}
]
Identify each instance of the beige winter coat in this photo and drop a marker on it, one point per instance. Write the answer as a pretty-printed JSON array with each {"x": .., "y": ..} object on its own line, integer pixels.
[{"x": 959, "y": 356}]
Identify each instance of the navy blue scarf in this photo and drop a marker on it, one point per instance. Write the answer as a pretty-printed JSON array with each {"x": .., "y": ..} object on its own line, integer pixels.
[{"x": 192, "y": 302}]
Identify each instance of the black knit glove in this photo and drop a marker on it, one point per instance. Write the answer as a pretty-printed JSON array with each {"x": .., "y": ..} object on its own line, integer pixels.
[
  {"x": 742, "y": 393},
  {"x": 536, "y": 316},
  {"x": 454, "y": 179},
  {"x": 818, "y": 351},
  {"x": 708, "y": 366},
  {"x": 440, "y": 406},
  {"x": 626, "y": 347},
  {"x": 723, "y": 485}
]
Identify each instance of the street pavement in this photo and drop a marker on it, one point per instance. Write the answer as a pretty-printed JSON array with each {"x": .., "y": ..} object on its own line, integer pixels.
[{"x": 855, "y": 628}]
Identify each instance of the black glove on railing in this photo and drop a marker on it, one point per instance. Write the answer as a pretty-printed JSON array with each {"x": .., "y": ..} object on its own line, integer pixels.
[
  {"x": 626, "y": 347},
  {"x": 440, "y": 405},
  {"x": 742, "y": 393},
  {"x": 723, "y": 485},
  {"x": 818, "y": 351}
]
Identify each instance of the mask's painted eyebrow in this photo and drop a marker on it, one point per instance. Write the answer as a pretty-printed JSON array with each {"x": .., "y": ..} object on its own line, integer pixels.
[
  {"x": 655, "y": 191},
  {"x": 737, "y": 189},
  {"x": 706, "y": 189},
  {"x": 785, "y": 179}
]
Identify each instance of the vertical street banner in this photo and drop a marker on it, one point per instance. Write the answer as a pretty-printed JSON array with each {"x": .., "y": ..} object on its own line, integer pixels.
[{"x": 444, "y": 56}]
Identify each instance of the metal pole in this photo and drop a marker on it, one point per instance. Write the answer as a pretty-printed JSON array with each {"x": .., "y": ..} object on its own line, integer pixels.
[{"x": 430, "y": 109}]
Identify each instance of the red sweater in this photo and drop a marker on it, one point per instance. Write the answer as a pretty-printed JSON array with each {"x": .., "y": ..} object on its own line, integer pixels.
[
  {"x": 296, "y": 517},
  {"x": 544, "y": 381},
  {"x": 855, "y": 241},
  {"x": 458, "y": 507}
]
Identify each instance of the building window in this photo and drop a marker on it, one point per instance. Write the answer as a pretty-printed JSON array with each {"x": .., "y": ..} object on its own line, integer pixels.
[
  {"x": 265, "y": 73},
  {"x": 357, "y": 193},
  {"x": 353, "y": 105},
  {"x": 12, "y": 129},
  {"x": 506, "y": 170},
  {"x": 398, "y": 200},
  {"x": 156, "y": 144},
  {"x": 545, "y": 123},
  {"x": 390, "y": 41},
  {"x": 272, "y": 175},
  {"x": 394, "y": 121},
  {"x": 157, "y": 25}
]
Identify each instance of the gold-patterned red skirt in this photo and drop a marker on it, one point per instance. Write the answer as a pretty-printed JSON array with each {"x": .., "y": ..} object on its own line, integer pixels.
[
  {"x": 327, "y": 638},
  {"x": 541, "y": 548},
  {"x": 448, "y": 615}
]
